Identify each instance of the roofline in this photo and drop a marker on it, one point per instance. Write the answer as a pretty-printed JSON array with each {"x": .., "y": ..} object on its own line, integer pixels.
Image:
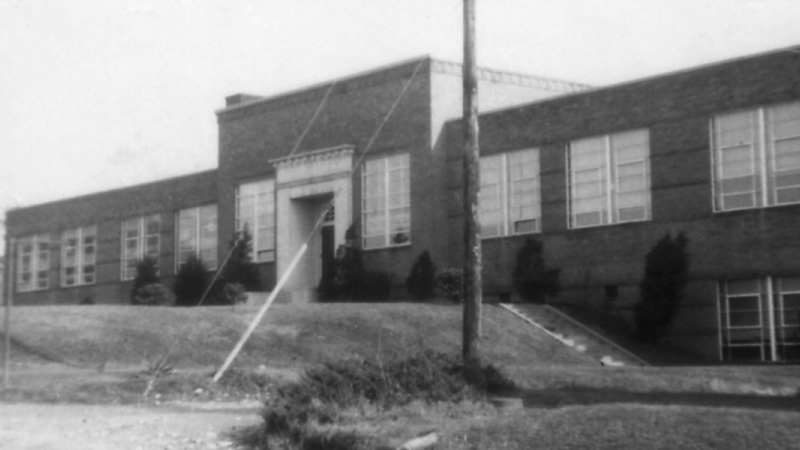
[
  {"x": 110, "y": 191},
  {"x": 323, "y": 83},
  {"x": 437, "y": 65},
  {"x": 791, "y": 49}
]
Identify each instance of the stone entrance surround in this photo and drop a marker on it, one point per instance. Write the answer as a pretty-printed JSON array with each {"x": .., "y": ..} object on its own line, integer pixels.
[{"x": 305, "y": 184}]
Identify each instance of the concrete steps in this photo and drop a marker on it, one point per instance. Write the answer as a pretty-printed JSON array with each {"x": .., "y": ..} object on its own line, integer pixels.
[{"x": 574, "y": 334}]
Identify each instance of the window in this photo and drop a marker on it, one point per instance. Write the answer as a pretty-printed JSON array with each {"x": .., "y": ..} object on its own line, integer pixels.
[
  {"x": 757, "y": 157},
  {"x": 33, "y": 263},
  {"x": 386, "y": 193},
  {"x": 610, "y": 179},
  {"x": 78, "y": 256},
  {"x": 509, "y": 195},
  {"x": 760, "y": 319},
  {"x": 140, "y": 238},
  {"x": 197, "y": 235},
  {"x": 255, "y": 208}
]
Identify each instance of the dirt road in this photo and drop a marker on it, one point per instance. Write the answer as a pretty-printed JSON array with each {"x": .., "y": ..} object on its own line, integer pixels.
[{"x": 112, "y": 427}]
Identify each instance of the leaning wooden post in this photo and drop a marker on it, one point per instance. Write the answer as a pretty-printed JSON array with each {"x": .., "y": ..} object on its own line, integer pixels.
[
  {"x": 472, "y": 231},
  {"x": 9, "y": 274}
]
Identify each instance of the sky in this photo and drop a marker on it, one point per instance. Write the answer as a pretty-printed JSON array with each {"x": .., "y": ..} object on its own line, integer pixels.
[{"x": 103, "y": 94}]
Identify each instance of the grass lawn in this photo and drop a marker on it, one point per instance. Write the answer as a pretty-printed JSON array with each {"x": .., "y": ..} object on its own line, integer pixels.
[
  {"x": 632, "y": 426},
  {"x": 296, "y": 336},
  {"x": 571, "y": 401}
]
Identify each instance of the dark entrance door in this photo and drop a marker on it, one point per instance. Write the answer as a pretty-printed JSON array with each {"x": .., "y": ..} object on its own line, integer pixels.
[{"x": 328, "y": 255}]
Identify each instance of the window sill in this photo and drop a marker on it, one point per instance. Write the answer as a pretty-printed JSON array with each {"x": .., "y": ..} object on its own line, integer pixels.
[
  {"x": 507, "y": 236},
  {"x": 615, "y": 224},
  {"x": 755, "y": 208},
  {"x": 391, "y": 247}
]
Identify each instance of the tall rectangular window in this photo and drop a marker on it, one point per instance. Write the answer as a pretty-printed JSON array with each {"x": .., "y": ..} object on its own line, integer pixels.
[
  {"x": 141, "y": 237},
  {"x": 760, "y": 319},
  {"x": 386, "y": 194},
  {"x": 757, "y": 157},
  {"x": 509, "y": 195},
  {"x": 33, "y": 263},
  {"x": 197, "y": 235},
  {"x": 609, "y": 178},
  {"x": 255, "y": 208},
  {"x": 78, "y": 256}
]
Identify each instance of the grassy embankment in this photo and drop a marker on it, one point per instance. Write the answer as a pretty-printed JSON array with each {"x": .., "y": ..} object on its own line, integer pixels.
[{"x": 573, "y": 402}]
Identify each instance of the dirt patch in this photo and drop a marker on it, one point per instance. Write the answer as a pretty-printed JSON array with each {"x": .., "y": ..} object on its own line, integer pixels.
[{"x": 89, "y": 427}]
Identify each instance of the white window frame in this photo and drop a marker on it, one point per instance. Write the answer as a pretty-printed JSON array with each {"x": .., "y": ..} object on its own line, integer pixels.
[
  {"x": 260, "y": 219},
  {"x": 609, "y": 190},
  {"x": 381, "y": 204},
  {"x": 504, "y": 194},
  {"x": 84, "y": 266},
  {"x": 201, "y": 225},
  {"x": 137, "y": 244},
  {"x": 764, "y": 166},
  {"x": 772, "y": 333},
  {"x": 36, "y": 250}
]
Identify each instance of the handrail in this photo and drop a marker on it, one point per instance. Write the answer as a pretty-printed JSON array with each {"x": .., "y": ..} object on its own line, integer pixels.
[{"x": 597, "y": 335}]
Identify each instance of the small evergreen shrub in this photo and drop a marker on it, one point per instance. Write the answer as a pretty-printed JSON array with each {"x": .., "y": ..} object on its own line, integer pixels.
[
  {"x": 532, "y": 280},
  {"x": 235, "y": 293},
  {"x": 421, "y": 281},
  {"x": 146, "y": 273},
  {"x": 153, "y": 294},
  {"x": 348, "y": 275},
  {"x": 451, "y": 284},
  {"x": 662, "y": 288},
  {"x": 240, "y": 267},
  {"x": 190, "y": 282}
]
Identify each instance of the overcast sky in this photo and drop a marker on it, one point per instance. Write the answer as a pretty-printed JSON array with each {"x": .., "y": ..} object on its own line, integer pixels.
[{"x": 100, "y": 94}]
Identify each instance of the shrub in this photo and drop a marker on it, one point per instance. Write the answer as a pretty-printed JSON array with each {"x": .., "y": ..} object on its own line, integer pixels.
[
  {"x": 421, "y": 281},
  {"x": 240, "y": 268},
  {"x": 662, "y": 288},
  {"x": 322, "y": 393},
  {"x": 348, "y": 273},
  {"x": 234, "y": 293},
  {"x": 532, "y": 280},
  {"x": 153, "y": 294},
  {"x": 190, "y": 282},
  {"x": 146, "y": 273},
  {"x": 451, "y": 283}
]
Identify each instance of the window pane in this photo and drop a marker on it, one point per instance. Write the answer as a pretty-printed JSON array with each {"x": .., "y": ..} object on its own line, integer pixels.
[
  {"x": 790, "y": 284},
  {"x": 736, "y": 128},
  {"x": 386, "y": 200},
  {"x": 526, "y": 226},
  {"x": 739, "y": 287},
  {"x": 588, "y": 153},
  {"x": 587, "y": 219},
  {"x": 523, "y": 164},
  {"x": 784, "y": 120},
  {"x": 375, "y": 165}
]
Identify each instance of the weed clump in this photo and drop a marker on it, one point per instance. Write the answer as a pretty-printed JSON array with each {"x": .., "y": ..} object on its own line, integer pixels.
[{"x": 309, "y": 412}]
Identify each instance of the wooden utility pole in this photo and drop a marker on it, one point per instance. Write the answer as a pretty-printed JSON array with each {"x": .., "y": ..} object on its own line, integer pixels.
[{"x": 472, "y": 231}]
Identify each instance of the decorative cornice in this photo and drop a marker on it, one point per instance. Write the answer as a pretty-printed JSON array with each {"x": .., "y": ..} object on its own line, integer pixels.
[{"x": 314, "y": 155}]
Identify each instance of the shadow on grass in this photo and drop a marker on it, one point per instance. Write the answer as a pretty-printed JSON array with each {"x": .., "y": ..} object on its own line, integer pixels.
[{"x": 588, "y": 396}]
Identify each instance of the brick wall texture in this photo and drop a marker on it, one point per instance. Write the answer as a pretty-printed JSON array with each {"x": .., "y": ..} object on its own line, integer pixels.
[{"x": 676, "y": 109}]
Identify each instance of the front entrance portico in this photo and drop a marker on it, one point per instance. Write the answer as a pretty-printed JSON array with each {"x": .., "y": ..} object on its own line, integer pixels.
[{"x": 305, "y": 185}]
